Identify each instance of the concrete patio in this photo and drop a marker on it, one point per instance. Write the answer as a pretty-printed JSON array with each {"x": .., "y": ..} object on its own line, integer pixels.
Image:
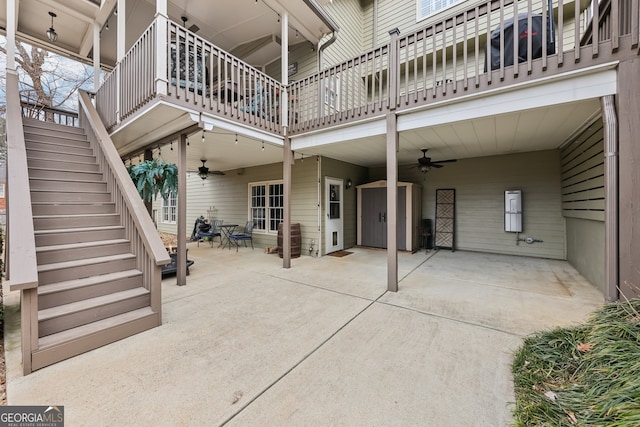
[{"x": 247, "y": 342}]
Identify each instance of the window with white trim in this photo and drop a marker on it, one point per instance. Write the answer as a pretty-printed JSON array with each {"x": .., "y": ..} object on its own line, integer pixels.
[
  {"x": 266, "y": 205},
  {"x": 169, "y": 207},
  {"x": 2, "y": 191},
  {"x": 332, "y": 91},
  {"x": 425, "y": 8}
]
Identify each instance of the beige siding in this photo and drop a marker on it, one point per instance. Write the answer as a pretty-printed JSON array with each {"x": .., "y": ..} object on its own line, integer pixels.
[
  {"x": 480, "y": 184},
  {"x": 583, "y": 175},
  {"x": 350, "y": 18},
  {"x": 359, "y": 175},
  {"x": 585, "y": 249}
]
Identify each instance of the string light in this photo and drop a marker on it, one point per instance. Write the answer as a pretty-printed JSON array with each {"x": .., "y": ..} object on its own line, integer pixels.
[
  {"x": 236, "y": 138},
  {"x": 171, "y": 146},
  {"x": 203, "y": 136},
  {"x": 188, "y": 141},
  {"x": 262, "y": 145}
]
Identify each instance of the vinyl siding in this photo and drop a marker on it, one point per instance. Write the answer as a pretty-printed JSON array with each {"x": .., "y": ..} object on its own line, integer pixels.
[
  {"x": 480, "y": 184},
  {"x": 350, "y": 19}
]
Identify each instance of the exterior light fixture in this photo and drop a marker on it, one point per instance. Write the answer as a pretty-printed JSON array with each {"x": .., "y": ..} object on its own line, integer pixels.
[
  {"x": 349, "y": 183},
  {"x": 51, "y": 32},
  {"x": 203, "y": 171}
]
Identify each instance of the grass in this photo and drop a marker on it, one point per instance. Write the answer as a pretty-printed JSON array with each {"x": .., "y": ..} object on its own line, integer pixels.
[{"x": 588, "y": 375}]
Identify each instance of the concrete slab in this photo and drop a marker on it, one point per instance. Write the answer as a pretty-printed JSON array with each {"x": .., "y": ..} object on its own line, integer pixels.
[
  {"x": 393, "y": 366},
  {"x": 250, "y": 343}
]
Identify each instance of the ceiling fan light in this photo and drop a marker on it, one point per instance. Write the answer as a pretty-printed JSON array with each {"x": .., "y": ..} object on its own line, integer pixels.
[{"x": 203, "y": 171}]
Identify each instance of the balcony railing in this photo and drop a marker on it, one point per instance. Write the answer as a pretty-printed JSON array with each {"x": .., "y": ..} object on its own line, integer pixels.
[
  {"x": 469, "y": 51},
  {"x": 49, "y": 114},
  {"x": 491, "y": 44},
  {"x": 198, "y": 75}
]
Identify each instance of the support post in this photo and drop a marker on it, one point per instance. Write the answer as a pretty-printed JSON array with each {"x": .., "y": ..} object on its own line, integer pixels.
[
  {"x": 628, "y": 107},
  {"x": 286, "y": 184},
  {"x": 392, "y": 202},
  {"x": 12, "y": 21},
  {"x": 162, "y": 40},
  {"x": 610, "y": 120},
  {"x": 181, "y": 266},
  {"x": 96, "y": 57}
]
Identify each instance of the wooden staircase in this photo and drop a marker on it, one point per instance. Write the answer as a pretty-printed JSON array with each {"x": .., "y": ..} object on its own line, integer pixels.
[{"x": 90, "y": 289}]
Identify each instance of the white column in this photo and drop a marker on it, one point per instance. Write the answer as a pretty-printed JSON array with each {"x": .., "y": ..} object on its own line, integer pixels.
[
  {"x": 121, "y": 38},
  {"x": 96, "y": 57},
  {"x": 161, "y": 43},
  {"x": 12, "y": 20}
]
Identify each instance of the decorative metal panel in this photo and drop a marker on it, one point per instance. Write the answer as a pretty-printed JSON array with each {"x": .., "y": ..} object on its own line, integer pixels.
[{"x": 445, "y": 218}]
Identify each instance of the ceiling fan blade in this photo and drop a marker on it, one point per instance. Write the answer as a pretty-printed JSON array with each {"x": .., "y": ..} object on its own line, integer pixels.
[
  {"x": 216, "y": 173},
  {"x": 444, "y": 161},
  {"x": 435, "y": 165}
]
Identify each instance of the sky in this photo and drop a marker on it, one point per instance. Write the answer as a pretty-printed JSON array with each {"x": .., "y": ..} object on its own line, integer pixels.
[{"x": 71, "y": 71}]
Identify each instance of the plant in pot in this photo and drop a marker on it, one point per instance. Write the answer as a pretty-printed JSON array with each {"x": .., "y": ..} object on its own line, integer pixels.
[{"x": 153, "y": 177}]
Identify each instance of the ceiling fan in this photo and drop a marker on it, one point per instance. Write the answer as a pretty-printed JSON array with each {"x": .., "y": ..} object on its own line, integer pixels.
[
  {"x": 425, "y": 163},
  {"x": 204, "y": 172}
]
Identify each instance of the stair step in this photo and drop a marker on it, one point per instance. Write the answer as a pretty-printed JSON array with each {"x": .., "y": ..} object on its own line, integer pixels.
[
  {"x": 51, "y": 154},
  {"x": 78, "y": 235},
  {"x": 62, "y": 165},
  {"x": 81, "y": 250},
  {"x": 69, "y": 185},
  {"x": 63, "y": 345},
  {"x": 69, "y": 196},
  {"x": 52, "y": 222},
  {"x": 81, "y": 268},
  {"x": 69, "y": 291},
  {"x": 50, "y": 126},
  {"x": 57, "y": 319},
  {"x": 47, "y": 173},
  {"x": 68, "y": 208},
  {"x": 57, "y": 144}
]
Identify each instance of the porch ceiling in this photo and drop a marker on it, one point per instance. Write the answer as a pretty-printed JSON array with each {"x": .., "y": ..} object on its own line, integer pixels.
[
  {"x": 228, "y": 24},
  {"x": 521, "y": 131}
]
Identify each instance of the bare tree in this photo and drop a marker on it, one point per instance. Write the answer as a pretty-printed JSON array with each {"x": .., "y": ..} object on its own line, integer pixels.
[{"x": 48, "y": 80}]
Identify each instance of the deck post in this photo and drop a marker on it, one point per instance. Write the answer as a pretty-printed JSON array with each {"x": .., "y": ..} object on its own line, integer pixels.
[
  {"x": 392, "y": 166},
  {"x": 181, "y": 266},
  {"x": 162, "y": 40},
  {"x": 628, "y": 107},
  {"x": 392, "y": 202}
]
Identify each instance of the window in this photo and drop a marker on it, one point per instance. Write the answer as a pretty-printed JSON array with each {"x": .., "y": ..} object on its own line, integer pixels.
[
  {"x": 332, "y": 91},
  {"x": 1, "y": 191},
  {"x": 169, "y": 206},
  {"x": 266, "y": 206},
  {"x": 429, "y": 7}
]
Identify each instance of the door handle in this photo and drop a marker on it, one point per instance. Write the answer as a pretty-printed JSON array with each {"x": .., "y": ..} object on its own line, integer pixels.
[
  {"x": 384, "y": 217},
  {"x": 379, "y": 216}
]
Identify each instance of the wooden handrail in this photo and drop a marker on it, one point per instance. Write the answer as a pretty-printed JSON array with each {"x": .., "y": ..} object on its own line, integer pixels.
[
  {"x": 22, "y": 269},
  {"x": 148, "y": 233}
]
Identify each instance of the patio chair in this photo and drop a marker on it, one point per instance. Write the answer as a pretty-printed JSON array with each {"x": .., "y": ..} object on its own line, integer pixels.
[
  {"x": 247, "y": 234},
  {"x": 213, "y": 232}
]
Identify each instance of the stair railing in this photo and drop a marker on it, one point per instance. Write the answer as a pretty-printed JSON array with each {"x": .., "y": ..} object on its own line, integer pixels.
[
  {"x": 146, "y": 244},
  {"x": 21, "y": 268}
]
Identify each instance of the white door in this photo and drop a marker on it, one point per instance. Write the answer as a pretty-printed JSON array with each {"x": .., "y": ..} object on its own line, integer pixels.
[{"x": 333, "y": 208}]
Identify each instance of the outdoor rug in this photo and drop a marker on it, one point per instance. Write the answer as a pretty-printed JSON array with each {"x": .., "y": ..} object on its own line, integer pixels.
[{"x": 340, "y": 254}]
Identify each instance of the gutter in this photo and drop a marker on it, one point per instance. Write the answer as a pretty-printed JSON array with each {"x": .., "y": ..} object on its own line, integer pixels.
[{"x": 329, "y": 22}]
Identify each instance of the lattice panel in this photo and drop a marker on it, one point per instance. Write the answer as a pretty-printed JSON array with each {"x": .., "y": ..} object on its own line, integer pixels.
[{"x": 445, "y": 218}]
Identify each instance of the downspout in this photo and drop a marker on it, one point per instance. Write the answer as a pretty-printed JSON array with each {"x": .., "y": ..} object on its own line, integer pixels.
[
  {"x": 612, "y": 242},
  {"x": 322, "y": 47}
]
